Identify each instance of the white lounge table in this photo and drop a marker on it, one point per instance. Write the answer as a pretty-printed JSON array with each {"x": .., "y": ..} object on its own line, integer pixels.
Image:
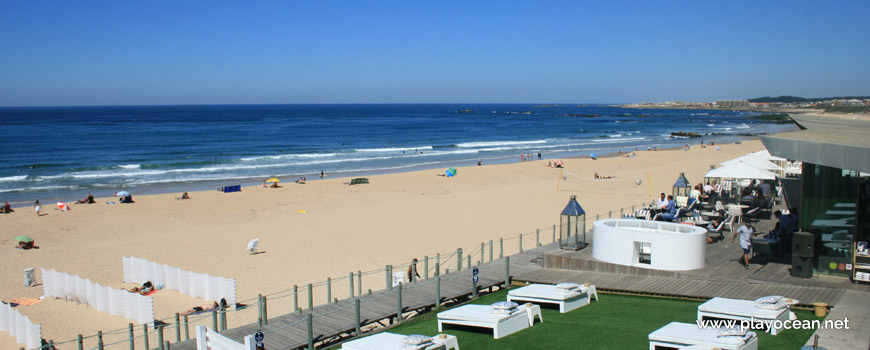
[
  {"x": 832, "y": 223},
  {"x": 480, "y": 316},
  {"x": 676, "y": 335},
  {"x": 547, "y": 294},
  {"x": 844, "y": 205},
  {"x": 392, "y": 341},
  {"x": 738, "y": 309},
  {"x": 840, "y": 212}
]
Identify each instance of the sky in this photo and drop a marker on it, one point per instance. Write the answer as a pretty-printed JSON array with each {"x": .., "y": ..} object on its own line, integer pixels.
[{"x": 66, "y": 53}]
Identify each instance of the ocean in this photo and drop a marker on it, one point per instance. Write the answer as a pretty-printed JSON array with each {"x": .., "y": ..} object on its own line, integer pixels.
[{"x": 62, "y": 153}]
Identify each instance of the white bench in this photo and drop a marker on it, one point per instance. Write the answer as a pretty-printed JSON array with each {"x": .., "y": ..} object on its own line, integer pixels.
[
  {"x": 481, "y": 316},
  {"x": 676, "y": 335},
  {"x": 741, "y": 310},
  {"x": 547, "y": 294},
  {"x": 392, "y": 341}
]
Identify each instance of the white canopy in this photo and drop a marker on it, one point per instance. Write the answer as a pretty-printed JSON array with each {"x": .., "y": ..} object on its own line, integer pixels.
[
  {"x": 740, "y": 170},
  {"x": 753, "y": 162},
  {"x": 764, "y": 154}
]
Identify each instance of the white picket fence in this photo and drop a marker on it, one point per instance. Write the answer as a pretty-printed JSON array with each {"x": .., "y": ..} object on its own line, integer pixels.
[
  {"x": 197, "y": 285},
  {"x": 208, "y": 339},
  {"x": 117, "y": 302},
  {"x": 20, "y": 327}
]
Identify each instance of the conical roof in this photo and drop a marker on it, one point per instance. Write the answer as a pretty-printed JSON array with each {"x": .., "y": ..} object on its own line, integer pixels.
[{"x": 573, "y": 208}]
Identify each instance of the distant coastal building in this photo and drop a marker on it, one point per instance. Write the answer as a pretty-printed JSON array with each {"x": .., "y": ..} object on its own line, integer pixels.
[{"x": 732, "y": 103}]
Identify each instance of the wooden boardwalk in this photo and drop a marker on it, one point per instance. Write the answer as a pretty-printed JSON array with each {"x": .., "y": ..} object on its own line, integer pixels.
[{"x": 334, "y": 321}]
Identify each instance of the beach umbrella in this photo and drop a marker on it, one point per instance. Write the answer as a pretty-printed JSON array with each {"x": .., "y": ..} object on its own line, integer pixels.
[
  {"x": 274, "y": 179},
  {"x": 122, "y": 194},
  {"x": 450, "y": 172},
  {"x": 593, "y": 155},
  {"x": 23, "y": 238},
  {"x": 754, "y": 162},
  {"x": 62, "y": 206},
  {"x": 740, "y": 171}
]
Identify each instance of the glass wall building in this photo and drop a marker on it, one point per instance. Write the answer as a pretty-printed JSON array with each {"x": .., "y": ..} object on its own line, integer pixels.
[{"x": 835, "y": 193}]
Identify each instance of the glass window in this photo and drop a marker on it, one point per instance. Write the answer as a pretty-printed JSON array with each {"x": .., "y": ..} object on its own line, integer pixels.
[{"x": 829, "y": 199}]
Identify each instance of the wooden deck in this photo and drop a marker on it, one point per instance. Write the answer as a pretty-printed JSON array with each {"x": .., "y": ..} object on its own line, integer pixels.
[{"x": 335, "y": 321}]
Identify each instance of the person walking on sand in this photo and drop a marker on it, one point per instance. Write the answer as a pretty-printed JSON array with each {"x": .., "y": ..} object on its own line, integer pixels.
[
  {"x": 36, "y": 206},
  {"x": 321, "y": 175}
]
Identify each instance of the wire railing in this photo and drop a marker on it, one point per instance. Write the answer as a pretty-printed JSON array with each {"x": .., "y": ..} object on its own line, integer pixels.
[{"x": 439, "y": 267}]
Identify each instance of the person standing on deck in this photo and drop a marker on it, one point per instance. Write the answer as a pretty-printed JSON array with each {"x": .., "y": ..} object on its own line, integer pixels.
[{"x": 745, "y": 232}]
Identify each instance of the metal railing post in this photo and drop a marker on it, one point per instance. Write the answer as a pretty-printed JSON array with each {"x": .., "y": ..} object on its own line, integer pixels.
[
  {"x": 145, "y": 335},
  {"x": 296, "y": 298},
  {"x": 259, "y": 311},
  {"x": 458, "y": 259},
  {"x": 399, "y": 302},
  {"x": 358, "y": 282},
  {"x": 160, "y": 344},
  {"x": 177, "y": 327},
  {"x": 521, "y": 242},
  {"x": 537, "y": 237},
  {"x": 490, "y": 250},
  {"x": 507, "y": 271},
  {"x": 482, "y": 251},
  {"x": 437, "y": 292},
  {"x": 265, "y": 313},
  {"x": 310, "y": 324},
  {"x": 501, "y": 248},
  {"x": 82, "y": 345},
  {"x": 328, "y": 290},
  {"x": 99, "y": 341},
  {"x": 129, "y": 331},
  {"x": 554, "y": 233},
  {"x": 186, "y": 329},
  {"x": 426, "y": 266},
  {"x": 350, "y": 283}
]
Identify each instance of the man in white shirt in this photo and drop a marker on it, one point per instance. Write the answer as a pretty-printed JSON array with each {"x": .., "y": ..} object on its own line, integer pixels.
[
  {"x": 745, "y": 232},
  {"x": 662, "y": 202}
]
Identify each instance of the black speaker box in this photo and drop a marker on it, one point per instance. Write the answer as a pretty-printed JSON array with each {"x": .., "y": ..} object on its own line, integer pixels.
[
  {"x": 802, "y": 244},
  {"x": 801, "y": 267}
]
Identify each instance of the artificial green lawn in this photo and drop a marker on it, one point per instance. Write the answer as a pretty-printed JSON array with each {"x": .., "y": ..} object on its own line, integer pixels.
[{"x": 614, "y": 322}]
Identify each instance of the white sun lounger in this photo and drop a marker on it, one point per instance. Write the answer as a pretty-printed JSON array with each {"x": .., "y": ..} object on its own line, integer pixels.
[
  {"x": 392, "y": 341},
  {"x": 546, "y": 293},
  {"x": 676, "y": 335},
  {"x": 480, "y": 316},
  {"x": 737, "y": 309}
]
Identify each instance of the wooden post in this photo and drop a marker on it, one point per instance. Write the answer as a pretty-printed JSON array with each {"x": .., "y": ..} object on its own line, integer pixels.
[
  {"x": 328, "y": 290},
  {"x": 214, "y": 322},
  {"x": 554, "y": 233},
  {"x": 186, "y": 329},
  {"x": 426, "y": 266},
  {"x": 350, "y": 283},
  {"x": 597, "y": 217},
  {"x": 259, "y": 311},
  {"x": 145, "y": 335},
  {"x": 610, "y": 214},
  {"x": 356, "y": 308},
  {"x": 458, "y": 259},
  {"x": 160, "y": 338},
  {"x": 490, "y": 250},
  {"x": 438, "y": 265},
  {"x": 537, "y": 237},
  {"x": 501, "y": 248},
  {"x": 310, "y": 324},
  {"x": 99, "y": 341},
  {"x": 82, "y": 345},
  {"x": 521, "y": 242},
  {"x": 632, "y": 209},
  {"x": 51, "y": 344},
  {"x": 129, "y": 332},
  {"x": 310, "y": 297},
  {"x": 482, "y": 251},
  {"x": 469, "y": 262},
  {"x": 358, "y": 282},
  {"x": 389, "y": 277},
  {"x": 167, "y": 345},
  {"x": 399, "y": 302},
  {"x": 265, "y": 313},
  {"x": 507, "y": 271},
  {"x": 177, "y": 327},
  {"x": 621, "y": 212},
  {"x": 437, "y": 292},
  {"x": 296, "y": 299}
]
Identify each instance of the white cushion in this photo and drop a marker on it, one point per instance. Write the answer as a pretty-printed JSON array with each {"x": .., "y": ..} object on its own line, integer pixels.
[
  {"x": 416, "y": 339},
  {"x": 779, "y": 305},
  {"x": 414, "y": 346},
  {"x": 567, "y": 285},
  {"x": 770, "y": 299},
  {"x": 504, "y": 305},
  {"x": 731, "y": 331}
]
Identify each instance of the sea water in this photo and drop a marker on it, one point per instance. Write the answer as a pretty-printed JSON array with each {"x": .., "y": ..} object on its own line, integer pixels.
[{"x": 65, "y": 152}]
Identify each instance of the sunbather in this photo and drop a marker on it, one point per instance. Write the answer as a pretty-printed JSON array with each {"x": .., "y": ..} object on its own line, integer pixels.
[
  {"x": 7, "y": 208},
  {"x": 87, "y": 200},
  {"x": 146, "y": 288},
  {"x": 185, "y": 196},
  {"x": 206, "y": 307}
]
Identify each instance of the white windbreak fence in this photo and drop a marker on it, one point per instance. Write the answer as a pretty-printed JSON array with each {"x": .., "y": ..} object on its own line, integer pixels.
[
  {"x": 197, "y": 285},
  {"x": 20, "y": 327},
  {"x": 117, "y": 302}
]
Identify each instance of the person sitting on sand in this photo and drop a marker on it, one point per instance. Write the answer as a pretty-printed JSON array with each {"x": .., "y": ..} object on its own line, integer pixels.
[
  {"x": 275, "y": 185},
  {"x": 7, "y": 208},
  {"x": 206, "y": 307},
  {"x": 146, "y": 288},
  {"x": 87, "y": 200},
  {"x": 185, "y": 196}
]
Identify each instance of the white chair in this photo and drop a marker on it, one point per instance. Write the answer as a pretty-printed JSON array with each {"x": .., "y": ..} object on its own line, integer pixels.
[
  {"x": 252, "y": 246},
  {"x": 730, "y": 222}
]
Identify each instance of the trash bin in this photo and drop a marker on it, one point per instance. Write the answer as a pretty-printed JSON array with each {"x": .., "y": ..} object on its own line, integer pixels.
[{"x": 821, "y": 309}]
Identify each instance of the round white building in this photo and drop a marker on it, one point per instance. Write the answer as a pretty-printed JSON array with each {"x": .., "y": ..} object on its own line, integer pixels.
[{"x": 649, "y": 244}]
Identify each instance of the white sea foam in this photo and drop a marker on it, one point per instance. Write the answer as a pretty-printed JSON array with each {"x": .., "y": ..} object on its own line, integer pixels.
[
  {"x": 609, "y": 140},
  {"x": 288, "y": 156},
  {"x": 394, "y": 149},
  {"x": 498, "y": 143},
  {"x": 711, "y": 124},
  {"x": 130, "y": 166},
  {"x": 743, "y": 126},
  {"x": 13, "y": 178}
]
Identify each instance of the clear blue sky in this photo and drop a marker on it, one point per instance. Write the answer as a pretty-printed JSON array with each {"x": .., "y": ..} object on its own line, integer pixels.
[{"x": 203, "y": 52}]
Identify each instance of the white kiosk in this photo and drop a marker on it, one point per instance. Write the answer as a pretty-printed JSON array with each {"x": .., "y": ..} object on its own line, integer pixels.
[{"x": 649, "y": 244}]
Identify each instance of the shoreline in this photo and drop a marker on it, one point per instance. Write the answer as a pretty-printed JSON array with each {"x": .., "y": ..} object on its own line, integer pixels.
[
  {"x": 178, "y": 188},
  {"x": 322, "y": 228}
]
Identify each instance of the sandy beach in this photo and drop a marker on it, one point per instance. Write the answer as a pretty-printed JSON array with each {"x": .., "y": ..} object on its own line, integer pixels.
[{"x": 343, "y": 228}]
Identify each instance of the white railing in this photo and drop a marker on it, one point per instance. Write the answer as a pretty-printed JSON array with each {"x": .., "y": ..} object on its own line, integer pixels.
[{"x": 20, "y": 327}]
